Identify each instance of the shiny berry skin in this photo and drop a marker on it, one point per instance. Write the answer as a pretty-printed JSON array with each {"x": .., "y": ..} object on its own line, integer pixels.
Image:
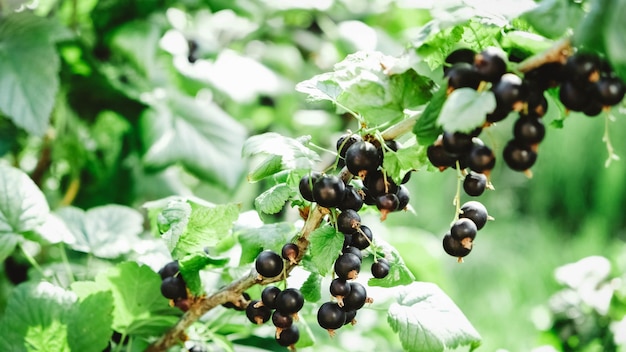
[
  {"x": 529, "y": 130},
  {"x": 173, "y": 287},
  {"x": 268, "y": 296},
  {"x": 380, "y": 268},
  {"x": 328, "y": 191},
  {"x": 574, "y": 97},
  {"x": 509, "y": 90},
  {"x": 463, "y": 228},
  {"x": 454, "y": 247},
  {"x": 474, "y": 184},
  {"x": 387, "y": 203},
  {"x": 330, "y": 316},
  {"x": 476, "y": 212},
  {"x": 306, "y": 185},
  {"x": 339, "y": 288},
  {"x": 347, "y": 266},
  {"x": 491, "y": 63},
  {"x": 354, "y": 250},
  {"x": 439, "y": 157},
  {"x": 362, "y": 239},
  {"x": 481, "y": 158},
  {"x": 580, "y": 66},
  {"x": 289, "y": 336},
  {"x": 460, "y": 55},
  {"x": 537, "y": 103},
  {"x": 281, "y": 320},
  {"x": 350, "y": 317},
  {"x": 356, "y": 298},
  {"x": 351, "y": 200},
  {"x": 290, "y": 252},
  {"x": 462, "y": 75},
  {"x": 269, "y": 264},
  {"x": 594, "y": 108},
  {"x": 258, "y": 315},
  {"x": 519, "y": 156},
  {"x": 403, "y": 197},
  {"x": 457, "y": 142},
  {"x": 289, "y": 301},
  {"x": 379, "y": 183},
  {"x": 348, "y": 221},
  {"x": 344, "y": 142},
  {"x": 170, "y": 269},
  {"x": 610, "y": 90},
  {"x": 362, "y": 157}
]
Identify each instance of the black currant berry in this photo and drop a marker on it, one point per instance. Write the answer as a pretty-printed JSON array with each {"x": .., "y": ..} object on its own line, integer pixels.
[
  {"x": 290, "y": 252},
  {"x": 537, "y": 103},
  {"x": 269, "y": 264},
  {"x": 348, "y": 221},
  {"x": 380, "y": 268},
  {"x": 454, "y": 247},
  {"x": 474, "y": 184},
  {"x": 463, "y": 228},
  {"x": 347, "y": 239},
  {"x": 289, "y": 301},
  {"x": 355, "y": 250},
  {"x": 574, "y": 97},
  {"x": 347, "y": 266},
  {"x": 170, "y": 269},
  {"x": 460, "y": 55},
  {"x": 403, "y": 197},
  {"x": 281, "y": 320},
  {"x": 362, "y": 157},
  {"x": 379, "y": 183},
  {"x": 610, "y": 90},
  {"x": 306, "y": 185},
  {"x": 330, "y": 316},
  {"x": 491, "y": 63},
  {"x": 245, "y": 297},
  {"x": 339, "y": 288},
  {"x": 509, "y": 90},
  {"x": 268, "y": 296},
  {"x": 362, "y": 238},
  {"x": 476, "y": 212},
  {"x": 350, "y": 317},
  {"x": 594, "y": 108},
  {"x": 344, "y": 142},
  {"x": 357, "y": 297},
  {"x": 173, "y": 287},
  {"x": 462, "y": 75},
  {"x": 328, "y": 191},
  {"x": 439, "y": 157},
  {"x": 351, "y": 200},
  {"x": 289, "y": 336},
  {"x": 529, "y": 130},
  {"x": 546, "y": 76},
  {"x": 258, "y": 314},
  {"x": 386, "y": 204},
  {"x": 580, "y": 67},
  {"x": 368, "y": 198},
  {"x": 519, "y": 156},
  {"x": 481, "y": 158},
  {"x": 457, "y": 142}
]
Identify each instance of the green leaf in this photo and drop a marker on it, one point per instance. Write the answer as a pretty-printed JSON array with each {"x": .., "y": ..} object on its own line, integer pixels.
[
  {"x": 190, "y": 266},
  {"x": 426, "y": 129},
  {"x": 29, "y": 66},
  {"x": 35, "y": 318},
  {"x": 552, "y": 18},
  {"x": 465, "y": 109},
  {"x": 405, "y": 159},
  {"x": 326, "y": 244},
  {"x": 294, "y": 152},
  {"x": 23, "y": 207},
  {"x": 107, "y": 231},
  {"x": 320, "y": 87},
  {"x": 398, "y": 275},
  {"x": 411, "y": 89},
  {"x": 89, "y": 323},
  {"x": 272, "y": 200},
  {"x": 195, "y": 133},
  {"x": 269, "y": 236},
  {"x": 613, "y": 33},
  {"x": 312, "y": 288},
  {"x": 268, "y": 167},
  {"x": 427, "y": 320}
]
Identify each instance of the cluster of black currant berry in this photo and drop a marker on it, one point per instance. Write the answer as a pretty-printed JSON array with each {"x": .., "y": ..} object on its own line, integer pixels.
[
  {"x": 459, "y": 241},
  {"x": 282, "y": 306},
  {"x": 173, "y": 285}
]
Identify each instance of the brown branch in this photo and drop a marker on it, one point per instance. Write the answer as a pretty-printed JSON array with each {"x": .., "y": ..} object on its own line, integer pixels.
[
  {"x": 233, "y": 291},
  {"x": 559, "y": 53}
]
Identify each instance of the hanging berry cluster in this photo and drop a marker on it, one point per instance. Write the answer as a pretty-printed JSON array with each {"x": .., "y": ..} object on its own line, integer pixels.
[
  {"x": 173, "y": 285},
  {"x": 459, "y": 241}
]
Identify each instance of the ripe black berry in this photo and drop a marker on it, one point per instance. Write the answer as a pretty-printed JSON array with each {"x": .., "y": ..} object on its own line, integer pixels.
[
  {"x": 289, "y": 336},
  {"x": 173, "y": 287},
  {"x": 519, "y": 156},
  {"x": 269, "y": 264},
  {"x": 387, "y": 203},
  {"x": 347, "y": 266},
  {"x": 362, "y": 157},
  {"x": 610, "y": 90},
  {"x": 580, "y": 66},
  {"x": 344, "y": 142},
  {"x": 328, "y": 191},
  {"x": 362, "y": 239},
  {"x": 351, "y": 200},
  {"x": 258, "y": 314},
  {"x": 281, "y": 320},
  {"x": 491, "y": 63},
  {"x": 463, "y": 228},
  {"x": 170, "y": 269},
  {"x": 350, "y": 317},
  {"x": 474, "y": 184},
  {"x": 290, "y": 252},
  {"x": 481, "y": 158},
  {"x": 268, "y": 296},
  {"x": 339, "y": 288},
  {"x": 289, "y": 301},
  {"x": 380, "y": 268},
  {"x": 356, "y": 299},
  {"x": 354, "y": 250},
  {"x": 460, "y": 55},
  {"x": 509, "y": 90},
  {"x": 457, "y": 142},
  {"x": 439, "y": 157},
  {"x": 574, "y": 97},
  {"x": 403, "y": 197},
  {"x": 378, "y": 183},
  {"x": 594, "y": 108},
  {"x": 306, "y": 185},
  {"x": 454, "y": 247},
  {"x": 348, "y": 221},
  {"x": 529, "y": 130},
  {"x": 330, "y": 316},
  {"x": 462, "y": 75},
  {"x": 476, "y": 212}
]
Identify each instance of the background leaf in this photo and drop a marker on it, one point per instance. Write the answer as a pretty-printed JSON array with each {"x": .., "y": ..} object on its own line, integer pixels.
[
  {"x": 427, "y": 320},
  {"x": 269, "y": 236},
  {"x": 273, "y": 199},
  {"x": 426, "y": 128},
  {"x": 294, "y": 152},
  {"x": 311, "y": 288},
  {"x": 466, "y": 109},
  {"x": 89, "y": 322}
]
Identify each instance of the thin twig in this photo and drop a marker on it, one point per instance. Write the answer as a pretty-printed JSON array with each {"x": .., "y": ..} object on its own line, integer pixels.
[{"x": 557, "y": 53}]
